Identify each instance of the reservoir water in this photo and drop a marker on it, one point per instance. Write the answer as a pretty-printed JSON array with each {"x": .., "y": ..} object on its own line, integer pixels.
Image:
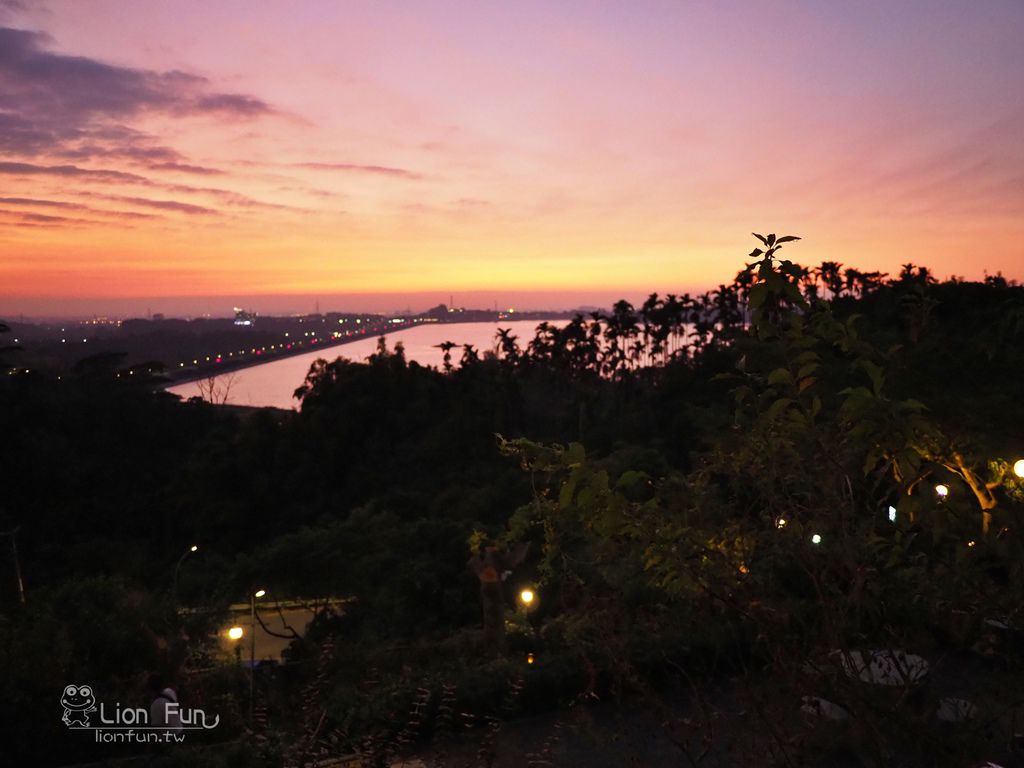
[{"x": 273, "y": 383}]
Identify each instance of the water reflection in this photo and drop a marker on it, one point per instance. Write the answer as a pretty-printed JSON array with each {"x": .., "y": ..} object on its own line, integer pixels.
[{"x": 273, "y": 383}]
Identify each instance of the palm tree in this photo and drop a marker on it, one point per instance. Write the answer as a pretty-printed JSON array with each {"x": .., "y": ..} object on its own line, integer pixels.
[
  {"x": 447, "y": 347},
  {"x": 831, "y": 275},
  {"x": 470, "y": 356},
  {"x": 727, "y": 307},
  {"x": 508, "y": 347}
]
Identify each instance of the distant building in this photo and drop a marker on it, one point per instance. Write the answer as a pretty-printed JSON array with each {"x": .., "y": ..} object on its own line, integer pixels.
[{"x": 244, "y": 318}]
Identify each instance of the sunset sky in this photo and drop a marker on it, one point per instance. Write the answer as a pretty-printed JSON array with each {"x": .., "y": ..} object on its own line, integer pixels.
[{"x": 186, "y": 155}]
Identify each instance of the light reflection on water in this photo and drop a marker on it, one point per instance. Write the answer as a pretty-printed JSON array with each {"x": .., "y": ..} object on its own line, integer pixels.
[{"x": 273, "y": 383}]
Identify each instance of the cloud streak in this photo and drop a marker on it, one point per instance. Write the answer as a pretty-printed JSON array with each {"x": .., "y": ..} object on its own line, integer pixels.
[
  {"x": 198, "y": 170},
  {"x": 377, "y": 170},
  {"x": 164, "y": 205},
  {"x": 31, "y": 202},
  {"x": 71, "y": 171}
]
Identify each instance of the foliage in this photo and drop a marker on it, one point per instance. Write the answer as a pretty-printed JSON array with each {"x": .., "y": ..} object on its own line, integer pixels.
[{"x": 726, "y": 495}]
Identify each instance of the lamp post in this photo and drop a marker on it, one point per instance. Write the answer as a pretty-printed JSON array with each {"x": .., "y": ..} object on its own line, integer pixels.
[
  {"x": 252, "y": 652},
  {"x": 177, "y": 567},
  {"x": 13, "y": 533},
  {"x": 526, "y": 599}
]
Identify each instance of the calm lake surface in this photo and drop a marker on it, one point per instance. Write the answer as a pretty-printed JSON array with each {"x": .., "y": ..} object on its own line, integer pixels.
[{"x": 273, "y": 383}]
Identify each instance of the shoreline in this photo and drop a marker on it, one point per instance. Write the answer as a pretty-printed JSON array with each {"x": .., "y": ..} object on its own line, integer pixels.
[{"x": 228, "y": 367}]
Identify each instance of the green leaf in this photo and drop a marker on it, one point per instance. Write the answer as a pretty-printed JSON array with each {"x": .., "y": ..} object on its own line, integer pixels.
[
  {"x": 780, "y": 376},
  {"x": 777, "y": 408},
  {"x": 914, "y": 405},
  {"x": 575, "y": 455},
  {"x": 806, "y": 370},
  {"x": 875, "y": 373},
  {"x": 566, "y": 493},
  {"x": 757, "y": 296}
]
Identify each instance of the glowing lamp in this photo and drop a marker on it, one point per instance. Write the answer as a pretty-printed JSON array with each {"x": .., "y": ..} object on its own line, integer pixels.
[
  {"x": 260, "y": 593},
  {"x": 527, "y": 597},
  {"x": 1018, "y": 468},
  {"x": 816, "y": 538},
  {"x": 942, "y": 491},
  {"x": 892, "y": 514},
  {"x": 780, "y": 523},
  {"x": 235, "y": 633}
]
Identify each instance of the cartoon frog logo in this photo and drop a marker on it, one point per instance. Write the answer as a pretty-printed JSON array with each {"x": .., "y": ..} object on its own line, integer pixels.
[{"x": 78, "y": 701}]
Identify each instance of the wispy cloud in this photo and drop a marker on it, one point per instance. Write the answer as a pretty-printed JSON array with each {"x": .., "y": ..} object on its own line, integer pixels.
[
  {"x": 164, "y": 205},
  {"x": 31, "y": 202},
  {"x": 75, "y": 106},
  {"x": 104, "y": 175},
  {"x": 198, "y": 170},
  {"x": 18, "y": 218},
  {"x": 107, "y": 176},
  {"x": 379, "y": 170}
]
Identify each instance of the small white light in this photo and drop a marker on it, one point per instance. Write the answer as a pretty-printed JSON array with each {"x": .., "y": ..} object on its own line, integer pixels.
[
  {"x": 235, "y": 633},
  {"x": 260, "y": 592},
  {"x": 194, "y": 548},
  {"x": 780, "y": 523},
  {"x": 942, "y": 491},
  {"x": 1018, "y": 468},
  {"x": 816, "y": 539},
  {"x": 892, "y": 514}
]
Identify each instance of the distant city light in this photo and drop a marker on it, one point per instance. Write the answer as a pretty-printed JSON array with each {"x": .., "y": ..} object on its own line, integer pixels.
[
  {"x": 816, "y": 539},
  {"x": 971, "y": 543},
  {"x": 529, "y": 658}
]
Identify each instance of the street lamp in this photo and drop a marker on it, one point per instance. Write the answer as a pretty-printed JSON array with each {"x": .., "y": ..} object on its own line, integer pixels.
[
  {"x": 942, "y": 491},
  {"x": 1018, "y": 468},
  {"x": 234, "y": 635},
  {"x": 186, "y": 553},
  {"x": 526, "y": 597}
]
